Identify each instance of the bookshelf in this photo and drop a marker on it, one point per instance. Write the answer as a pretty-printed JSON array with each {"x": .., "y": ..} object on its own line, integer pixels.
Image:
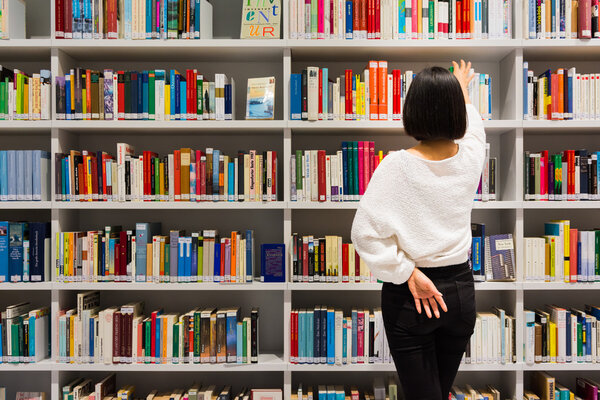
[{"x": 275, "y": 222}]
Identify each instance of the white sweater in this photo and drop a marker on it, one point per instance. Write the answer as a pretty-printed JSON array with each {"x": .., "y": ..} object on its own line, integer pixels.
[{"x": 417, "y": 212}]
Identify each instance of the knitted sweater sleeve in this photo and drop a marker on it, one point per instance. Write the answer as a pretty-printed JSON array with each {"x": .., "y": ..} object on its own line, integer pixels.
[{"x": 373, "y": 235}]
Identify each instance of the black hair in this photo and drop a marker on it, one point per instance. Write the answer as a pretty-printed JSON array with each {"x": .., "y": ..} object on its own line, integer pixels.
[{"x": 435, "y": 106}]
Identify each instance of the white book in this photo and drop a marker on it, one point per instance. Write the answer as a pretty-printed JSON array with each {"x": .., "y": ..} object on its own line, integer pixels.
[
  {"x": 327, "y": 20},
  {"x": 339, "y": 324},
  {"x": 314, "y": 175},
  {"x": 300, "y": 24},
  {"x": 340, "y": 175},
  {"x": 341, "y": 16},
  {"x": 390, "y": 96}
]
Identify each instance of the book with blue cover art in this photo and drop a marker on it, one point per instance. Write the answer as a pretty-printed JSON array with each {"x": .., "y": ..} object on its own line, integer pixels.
[
  {"x": 272, "y": 263},
  {"x": 260, "y": 100},
  {"x": 296, "y": 96},
  {"x": 233, "y": 316},
  {"x": 17, "y": 235},
  {"x": 4, "y": 251}
]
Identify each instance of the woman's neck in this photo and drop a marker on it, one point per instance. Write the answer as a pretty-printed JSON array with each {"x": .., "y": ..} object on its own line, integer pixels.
[{"x": 435, "y": 150}]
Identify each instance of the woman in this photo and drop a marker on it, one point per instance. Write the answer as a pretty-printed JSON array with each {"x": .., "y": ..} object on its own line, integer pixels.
[{"x": 413, "y": 230}]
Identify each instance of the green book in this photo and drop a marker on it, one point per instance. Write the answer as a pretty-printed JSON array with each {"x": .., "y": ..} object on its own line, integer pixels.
[
  {"x": 167, "y": 261},
  {"x": 147, "y": 332},
  {"x": 314, "y": 14},
  {"x": 245, "y": 342},
  {"x": 2, "y": 100},
  {"x": 172, "y": 21},
  {"x": 200, "y": 258},
  {"x": 199, "y": 91},
  {"x": 156, "y": 177},
  {"x": 15, "y": 328},
  {"x": 597, "y": 254},
  {"x": 579, "y": 340},
  {"x": 298, "y": 169},
  {"x": 175, "y": 343},
  {"x": 557, "y": 174},
  {"x": 19, "y": 99},
  {"x": 197, "y": 348},
  {"x": 431, "y": 19},
  {"x": 151, "y": 96}
]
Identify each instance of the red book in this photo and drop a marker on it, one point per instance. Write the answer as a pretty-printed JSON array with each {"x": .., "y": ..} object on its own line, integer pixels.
[
  {"x": 59, "y": 19},
  {"x": 544, "y": 175},
  {"x": 177, "y": 174},
  {"x": 459, "y": 18},
  {"x": 94, "y": 178},
  {"x": 128, "y": 331},
  {"x": 223, "y": 259},
  {"x": 396, "y": 86},
  {"x": 466, "y": 20},
  {"x": 195, "y": 95},
  {"x": 273, "y": 176},
  {"x": 363, "y": 19},
  {"x": 571, "y": 174},
  {"x": 584, "y": 24},
  {"x": 123, "y": 264},
  {"x": 348, "y": 95},
  {"x": 345, "y": 266},
  {"x": 355, "y": 17},
  {"x": 305, "y": 257},
  {"x": 375, "y": 162},
  {"x": 573, "y": 238},
  {"x": 357, "y": 266},
  {"x": 322, "y": 175},
  {"x": 121, "y": 93},
  {"x": 332, "y": 17},
  {"x": 371, "y": 156},
  {"x": 68, "y": 19},
  {"x": 116, "y": 337},
  {"x": 294, "y": 338},
  {"x": 321, "y": 94},
  {"x": 153, "y": 320},
  {"x": 111, "y": 23},
  {"x": 360, "y": 336},
  {"x": 361, "y": 168},
  {"x": 377, "y": 19},
  {"x": 370, "y": 19}
]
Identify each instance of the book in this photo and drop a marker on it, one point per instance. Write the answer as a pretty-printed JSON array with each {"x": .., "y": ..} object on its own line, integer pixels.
[
  {"x": 24, "y": 96},
  {"x": 260, "y": 99},
  {"x": 493, "y": 339},
  {"x": 12, "y": 19},
  {"x": 272, "y": 263},
  {"x": 261, "y": 20},
  {"x": 25, "y": 334}
]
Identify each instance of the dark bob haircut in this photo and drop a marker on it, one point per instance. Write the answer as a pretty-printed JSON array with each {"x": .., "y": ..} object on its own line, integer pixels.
[{"x": 435, "y": 106}]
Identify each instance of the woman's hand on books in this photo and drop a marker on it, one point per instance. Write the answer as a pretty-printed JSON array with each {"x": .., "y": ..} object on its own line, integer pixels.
[
  {"x": 425, "y": 294},
  {"x": 464, "y": 75}
]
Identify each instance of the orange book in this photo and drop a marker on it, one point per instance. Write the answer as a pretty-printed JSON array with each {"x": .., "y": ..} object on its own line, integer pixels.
[
  {"x": 382, "y": 89},
  {"x": 548, "y": 29},
  {"x": 185, "y": 173},
  {"x": 420, "y": 19},
  {"x": 162, "y": 179},
  {"x": 472, "y": 18},
  {"x": 233, "y": 254},
  {"x": 561, "y": 93},
  {"x": 164, "y": 342},
  {"x": 574, "y": 19},
  {"x": 374, "y": 99},
  {"x": 149, "y": 257}
]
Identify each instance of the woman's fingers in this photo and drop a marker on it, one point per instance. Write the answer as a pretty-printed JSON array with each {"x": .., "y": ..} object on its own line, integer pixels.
[
  {"x": 434, "y": 306},
  {"x": 440, "y": 299},
  {"x": 418, "y": 305},
  {"x": 426, "y": 307}
]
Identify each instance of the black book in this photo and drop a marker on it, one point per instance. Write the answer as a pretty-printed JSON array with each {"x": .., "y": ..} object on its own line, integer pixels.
[
  {"x": 305, "y": 95},
  {"x": 127, "y": 177},
  {"x": 322, "y": 255},
  {"x": 371, "y": 338},
  {"x": 583, "y": 173},
  {"x": 254, "y": 336},
  {"x": 60, "y": 99},
  {"x": 317, "y": 332},
  {"x": 311, "y": 260},
  {"x": 240, "y": 175},
  {"x": 264, "y": 176},
  {"x": 127, "y": 94},
  {"x": 78, "y": 94},
  {"x": 134, "y": 95},
  {"x": 100, "y": 181}
]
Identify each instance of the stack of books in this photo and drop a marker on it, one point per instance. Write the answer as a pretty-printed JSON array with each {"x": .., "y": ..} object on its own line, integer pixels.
[
  {"x": 492, "y": 257},
  {"x": 493, "y": 340},
  {"x": 25, "y": 96},
  {"x": 551, "y": 19},
  {"x": 142, "y": 254},
  {"x": 24, "y": 251},
  {"x": 24, "y": 175},
  {"x": 156, "y": 95},
  {"x": 124, "y": 335},
  {"x": 184, "y": 175},
  {"x": 25, "y": 334}
]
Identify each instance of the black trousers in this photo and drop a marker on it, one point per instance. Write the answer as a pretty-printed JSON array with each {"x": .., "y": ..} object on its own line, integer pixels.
[{"x": 427, "y": 352}]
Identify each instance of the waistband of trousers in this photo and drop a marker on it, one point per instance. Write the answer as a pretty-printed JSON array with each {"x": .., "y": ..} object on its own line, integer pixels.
[{"x": 446, "y": 271}]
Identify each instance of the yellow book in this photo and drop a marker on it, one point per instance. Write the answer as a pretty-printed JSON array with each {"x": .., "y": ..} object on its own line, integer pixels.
[
  {"x": 328, "y": 256},
  {"x": 167, "y": 102},
  {"x": 420, "y": 19},
  {"x": 72, "y": 338},
  {"x": 337, "y": 271},
  {"x": 567, "y": 247},
  {"x": 552, "y": 340},
  {"x": 58, "y": 241},
  {"x": 162, "y": 178},
  {"x": 380, "y": 155},
  {"x": 148, "y": 262},
  {"x": 258, "y": 178},
  {"x": 88, "y": 162},
  {"x": 84, "y": 99},
  {"x": 551, "y": 240},
  {"x": 70, "y": 254},
  {"x": 364, "y": 271},
  {"x": 359, "y": 98}
]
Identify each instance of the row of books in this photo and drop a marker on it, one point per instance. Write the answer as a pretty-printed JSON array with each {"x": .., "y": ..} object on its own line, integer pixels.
[
  {"x": 468, "y": 392},
  {"x": 546, "y": 387},
  {"x": 345, "y": 175},
  {"x": 13, "y": 27},
  {"x": 184, "y": 175},
  {"x": 560, "y": 19},
  {"x": 144, "y": 255},
  {"x": 374, "y": 95},
  {"x": 377, "y": 391},
  {"x": 562, "y": 335},
  {"x": 159, "y": 95},
  {"x": 24, "y": 175},
  {"x": 326, "y": 259},
  {"x": 25, "y": 96},
  {"x": 24, "y": 395},
  {"x": 493, "y": 339},
  {"x": 570, "y": 175},
  {"x": 405, "y": 19},
  {"x": 492, "y": 257},
  {"x": 323, "y": 335},
  {"x": 564, "y": 94},
  {"x": 564, "y": 254},
  {"x": 124, "y": 335},
  {"x": 24, "y": 334},
  {"x": 24, "y": 251},
  {"x": 133, "y": 19}
]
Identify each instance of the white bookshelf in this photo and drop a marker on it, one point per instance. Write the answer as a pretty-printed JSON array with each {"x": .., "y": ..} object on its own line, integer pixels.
[{"x": 508, "y": 134}]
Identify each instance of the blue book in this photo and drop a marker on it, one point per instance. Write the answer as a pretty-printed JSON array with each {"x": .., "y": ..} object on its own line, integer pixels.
[
  {"x": 525, "y": 95},
  {"x": 349, "y": 19},
  {"x": 588, "y": 337},
  {"x": 128, "y": 19},
  {"x": 28, "y": 175},
  {"x": 148, "y": 19},
  {"x": 181, "y": 259},
  {"x": 568, "y": 335},
  {"x": 41, "y": 170},
  {"x": 301, "y": 337},
  {"x": 325, "y": 99},
  {"x": 67, "y": 174},
  {"x": 401, "y": 19},
  {"x": 323, "y": 351},
  {"x": 174, "y": 253},
  {"x": 354, "y": 165},
  {"x": 18, "y": 233},
  {"x": 476, "y": 256},
  {"x": 310, "y": 317},
  {"x": 322, "y": 393},
  {"x": 317, "y": 333},
  {"x": 171, "y": 90},
  {"x": 345, "y": 169},
  {"x": 330, "y": 336},
  {"x": 68, "y": 97},
  {"x": 232, "y": 329},
  {"x": 296, "y": 96},
  {"x": 31, "y": 338},
  {"x": 77, "y": 23},
  {"x": 215, "y": 179},
  {"x": 140, "y": 95},
  {"x": 63, "y": 183},
  {"x": 553, "y": 20},
  {"x": 39, "y": 237},
  {"x": 231, "y": 183},
  {"x": 87, "y": 20},
  {"x": 188, "y": 257},
  {"x": 165, "y": 20},
  {"x": 217, "y": 270},
  {"x": 194, "y": 258},
  {"x": 345, "y": 344},
  {"x": 354, "y": 336},
  {"x": 249, "y": 255},
  {"x": 20, "y": 157},
  {"x": 331, "y": 393},
  {"x": 272, "y": 262},
  {"x": 176, "y": 97},
  {"x": 570, "y": 96},
  {"x": 579, "y": 268},
  {"x": 532, "y": 19},
  {"x": 4, "y": 277},
  {"x": 145, "y": 106},
  {"x": 182, "y": 100},
  {"x": 228, "y": 102},
  {"x": 92, "y": 330},
  {"x": 3, "y": 176},
  {"x": 157, "y": 344},
  {"x": 240, "y": 346},
  {"x": 144, "y": 231}
]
